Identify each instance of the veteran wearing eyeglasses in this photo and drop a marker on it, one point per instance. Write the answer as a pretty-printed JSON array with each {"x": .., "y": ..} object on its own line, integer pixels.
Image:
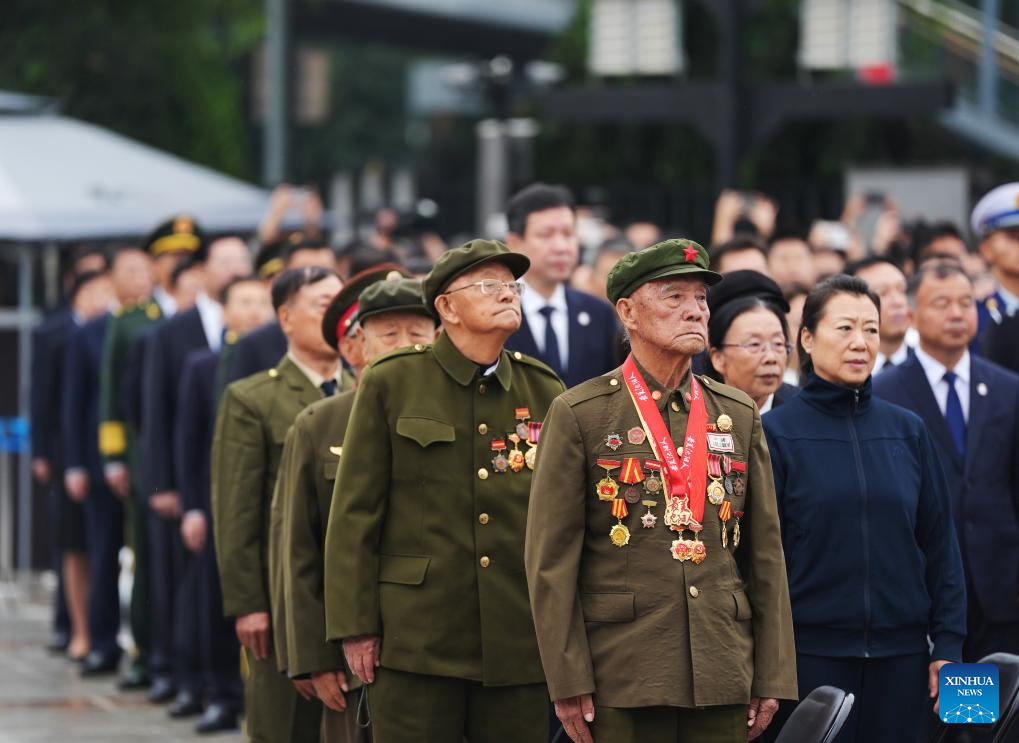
[{"x": 424, "y": 563}]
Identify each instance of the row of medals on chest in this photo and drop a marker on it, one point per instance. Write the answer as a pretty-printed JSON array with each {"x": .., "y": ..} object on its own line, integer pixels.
[
  {"x": 515, "y": 459},
  {"x": 724, "y": 478}
]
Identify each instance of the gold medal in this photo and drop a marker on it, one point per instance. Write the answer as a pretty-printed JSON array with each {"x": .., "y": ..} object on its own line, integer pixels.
[
  {"x": 724, "y": 423},
  {"x": 648, "y": 520},
  {"x": 619, "y": 535},
  {"x": 735, "y": 534},
  {"x": 725, "y": 536},
  {"x": 530, "y": 455},
  {"x": 516, "y": 457},
  {"x": 607, "y": 488},
  {"x": 699, "y": 552},
  {"x": 716, "y": 493},
  {"x": 680, "y": 550}
]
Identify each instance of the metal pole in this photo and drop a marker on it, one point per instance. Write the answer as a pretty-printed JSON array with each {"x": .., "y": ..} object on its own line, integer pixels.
[
  {"x": 492, "y": 174},
  {"x": 25, "y": 321},
  {"x": 51, "y": 275},
  {"x": 274, "y": 145},
  {"x": 988, "y": 60}
]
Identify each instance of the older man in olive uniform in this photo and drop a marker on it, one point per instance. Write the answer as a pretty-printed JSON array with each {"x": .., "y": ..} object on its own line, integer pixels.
[
  {"x": 251, "y": 426},
  {"x": 653, "y": 552},
  {"x": 389, "y": 314},
  {"x": 424, "y": 578}
]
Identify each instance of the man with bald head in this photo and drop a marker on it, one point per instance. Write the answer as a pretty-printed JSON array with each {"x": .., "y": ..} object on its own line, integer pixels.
[{"x": 653, "y": 550}]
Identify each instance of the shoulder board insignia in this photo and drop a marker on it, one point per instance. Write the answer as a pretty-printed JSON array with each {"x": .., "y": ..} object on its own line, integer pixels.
[{"x": 592, "y": 388}]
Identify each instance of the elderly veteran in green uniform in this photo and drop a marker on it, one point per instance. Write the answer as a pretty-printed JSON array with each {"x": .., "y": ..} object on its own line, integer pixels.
[
  {"x": 251, "y": 425},
  {"x": 390, "y": 315},
  {"x": 168, "y": 245},
  {"x": 424, "y": 580},
  {"x": 653, "y": 552}
]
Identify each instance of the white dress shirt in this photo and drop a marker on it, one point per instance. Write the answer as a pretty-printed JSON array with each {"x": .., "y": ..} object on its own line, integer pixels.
[
  {"x": 167, "y": 304},
  {"x": 532, "y": 302},
  {"x": 768, "y": 404},
  {"x": 900, "y": 355},
  {"x": 211, "y": 314},
  {"x": 313, "y": 376},
  {"x": 935, "y": 372}
]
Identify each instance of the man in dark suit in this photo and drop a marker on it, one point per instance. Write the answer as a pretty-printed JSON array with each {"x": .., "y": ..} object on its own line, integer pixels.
[
  {"x": 166, "y": 350},
  {"x": 131, "y": 277},
  {"x": 572, "y": 332},
  {"x": 887, "y": 281},
  {"x": 262, "y": 348},
  {"x": 972, "y": 409}
]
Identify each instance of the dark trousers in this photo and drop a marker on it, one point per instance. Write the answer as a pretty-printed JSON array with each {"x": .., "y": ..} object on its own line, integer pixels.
[
  {"x": 54, "y": 499},
  {"x": 984, "y": 637},
  {"x": 412, "y": 708},
  {"x": 217, "y": 638},
  {"x": 173, "y": 591},
  {"x": 137, "y": 513},
  {"x": 104, "y": 521},
  {"x": 892, "y": 702}
]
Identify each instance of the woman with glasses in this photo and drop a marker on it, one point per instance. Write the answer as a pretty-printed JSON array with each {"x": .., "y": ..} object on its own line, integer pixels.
[
  {"x": 748, "y": 340},
  {"x": 875, "y": 574}
]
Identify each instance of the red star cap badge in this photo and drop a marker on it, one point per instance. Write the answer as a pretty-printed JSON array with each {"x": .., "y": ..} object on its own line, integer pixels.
[{"x": 690, "y": 253}]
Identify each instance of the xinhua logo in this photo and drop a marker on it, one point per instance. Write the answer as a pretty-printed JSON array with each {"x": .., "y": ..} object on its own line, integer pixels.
[{"x": 968, "y": 693}]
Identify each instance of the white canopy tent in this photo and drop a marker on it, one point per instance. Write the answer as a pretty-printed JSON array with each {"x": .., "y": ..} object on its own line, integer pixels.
[{"x": 63, "y": 179}]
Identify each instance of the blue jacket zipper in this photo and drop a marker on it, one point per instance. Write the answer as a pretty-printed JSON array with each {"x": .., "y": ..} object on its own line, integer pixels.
[{"x": 858, "y": 455}]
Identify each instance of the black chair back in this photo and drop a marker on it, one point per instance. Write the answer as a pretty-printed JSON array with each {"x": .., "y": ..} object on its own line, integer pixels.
[{"x": 818, "y": 718}]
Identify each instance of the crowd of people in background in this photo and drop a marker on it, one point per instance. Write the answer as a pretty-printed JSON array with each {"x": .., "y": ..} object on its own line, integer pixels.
[{"x": 834, "y": 332}]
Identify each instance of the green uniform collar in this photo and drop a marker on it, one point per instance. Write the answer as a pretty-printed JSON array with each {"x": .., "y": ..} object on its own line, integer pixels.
[
  {"x": 667, "y": 395},
  {"x": 462, "y": 369},
  {"x": 296, "y": 380}
]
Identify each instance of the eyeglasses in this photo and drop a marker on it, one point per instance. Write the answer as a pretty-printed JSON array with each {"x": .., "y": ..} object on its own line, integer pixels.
[
  {"x": 493, "y": 287},
  {"x": 756, "y": 348}
]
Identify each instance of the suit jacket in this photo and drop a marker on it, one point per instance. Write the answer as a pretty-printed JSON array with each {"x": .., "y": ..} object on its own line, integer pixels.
[
  {"x": 80, "y": 404},
  {"x": 196, "y": 416},
  {"x": 259, "y": 350},
  {"x": 593, "y": 345},
  {"x": 49, "y": 345},
  {"x": 170, "y": 344},
  {"x": 1001, "y": 342},
  {"x": 984, "y": 485}
]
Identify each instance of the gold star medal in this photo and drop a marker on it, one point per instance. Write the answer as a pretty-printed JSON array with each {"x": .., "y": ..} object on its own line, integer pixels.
[{"x": 607, "y": 488}]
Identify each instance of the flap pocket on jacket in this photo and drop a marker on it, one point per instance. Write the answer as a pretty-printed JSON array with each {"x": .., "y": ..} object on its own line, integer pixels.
[
  {"x": 425, "y": 431},
  {"x": 608, "y": 607},
  {"x": 743, "y": 610},
  {"x": 329, "y": 469},
  {"x": 408, "y": 570}
]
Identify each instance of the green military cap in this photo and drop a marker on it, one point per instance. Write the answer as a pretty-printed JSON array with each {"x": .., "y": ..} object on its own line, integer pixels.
[
  {"x": 269, "y": 260},
  {"x": 675, "y": 257},
  {"x": 181, "y": 234},
  {"x": 469, "y": 256},
  {"x": 341, "y": 314},
  {"x": 392, "y": 295}
]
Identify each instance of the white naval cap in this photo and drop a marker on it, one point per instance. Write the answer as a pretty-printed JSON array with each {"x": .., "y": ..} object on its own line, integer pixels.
[{"x": 997, "y": 209}]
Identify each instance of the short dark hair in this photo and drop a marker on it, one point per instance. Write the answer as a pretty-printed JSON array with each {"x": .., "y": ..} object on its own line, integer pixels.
[
  {"x": 616, "y": 246},
  {"x": 84, "y": 251},
  {"x": 854, "y": 268},
  {"x": 722, "y": 320},
  {"x": 288, "y": 283},
  {"x": 290, "y": 249},
  {"x": 83, "y": 278},
  {"x": 535, "y": 198},
  {"x": 185, "y": 264},
  {"x": 817, "y": 302},
  {"x": 737, "y": 244},
  {"x": 939, "y": 269},
  {"x": 225, "y": 294},
  {"x": 363, "y": 257},
  {"x": 924, "y": 234}
]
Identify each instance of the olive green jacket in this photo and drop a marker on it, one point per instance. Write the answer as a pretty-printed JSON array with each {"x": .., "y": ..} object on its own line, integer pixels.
[
  {"x": 304, "y": 492},
  {"x": 251, "y": 426},
  {"x": 117, "y": 437},
  {"x": 425, "y": 540},
  {"x": 631, "y": 624}
]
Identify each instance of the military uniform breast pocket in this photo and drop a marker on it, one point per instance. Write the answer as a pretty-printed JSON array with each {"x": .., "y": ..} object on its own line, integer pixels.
[{"x": 425, "y": 432}]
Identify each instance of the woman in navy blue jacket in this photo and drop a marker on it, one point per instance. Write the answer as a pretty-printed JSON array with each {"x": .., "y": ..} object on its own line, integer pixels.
[{"x": 870, "y": 547}]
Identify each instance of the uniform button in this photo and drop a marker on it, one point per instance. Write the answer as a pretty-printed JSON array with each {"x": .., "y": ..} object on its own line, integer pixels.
[
  {"x": 483, "y": 519},
  {"x": 481, "y": 389},
  {"x": 517, "y": 355},
  {"x": 482, "y": 428},
  {"x": 675, "y": 406},
  {"x": 485, "y": 562},
  {"x": 273, "y": 373},
  {"x": 482, "y": 474},
  {"x": 656, "y": 395},
  {"x": 613, "y": 382},
  {"x": 694, "y": 592},
  {"x": 418, "y": 347}
]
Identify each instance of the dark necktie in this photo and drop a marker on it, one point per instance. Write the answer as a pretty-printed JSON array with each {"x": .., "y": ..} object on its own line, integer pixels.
[
  {"x": 953, "y": 415},
  {"x": 328, "y": 387},
  {"x": 551, "y": 341}
]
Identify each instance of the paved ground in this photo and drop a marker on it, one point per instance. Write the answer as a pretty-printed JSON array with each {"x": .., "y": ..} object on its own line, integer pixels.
[{"x": 42, "y": 698}]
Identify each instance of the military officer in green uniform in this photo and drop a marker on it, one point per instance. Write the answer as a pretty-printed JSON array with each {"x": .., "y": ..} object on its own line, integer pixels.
[
  {"x": 251, "y": 425},
  {"x": 168, "y": 244},
  {"x": 653, "y": 552},
  {"x": 390, "y": 314},
  {"x": 424, "y": 580}
]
